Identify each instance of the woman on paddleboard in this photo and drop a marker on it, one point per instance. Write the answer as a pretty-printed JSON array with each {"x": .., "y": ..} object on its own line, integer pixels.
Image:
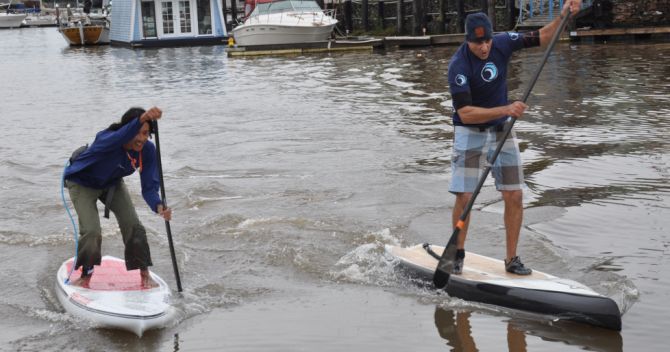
[{"x": 97, "y": 173}]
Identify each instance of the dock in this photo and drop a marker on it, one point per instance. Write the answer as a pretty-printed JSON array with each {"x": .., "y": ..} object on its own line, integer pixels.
[
  {"x": 348, "y": 44},
  {"x": 407, "y": 41},
  {"x": 352, "y": 44},
  {"x": 370, "y": 43},
  {"x": 619, "y": 33}
]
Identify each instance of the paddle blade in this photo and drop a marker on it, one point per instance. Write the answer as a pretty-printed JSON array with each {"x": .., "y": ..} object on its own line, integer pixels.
[{"x": 446, "y": 262}]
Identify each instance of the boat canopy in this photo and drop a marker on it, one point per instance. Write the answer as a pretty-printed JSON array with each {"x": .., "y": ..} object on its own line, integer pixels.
[{"x": 264, "y": 7}]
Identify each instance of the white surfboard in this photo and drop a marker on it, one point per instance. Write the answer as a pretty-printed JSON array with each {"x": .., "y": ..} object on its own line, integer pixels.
[
  {"x": 485, "y": 280},
  {"x": 115, "y": 297}
]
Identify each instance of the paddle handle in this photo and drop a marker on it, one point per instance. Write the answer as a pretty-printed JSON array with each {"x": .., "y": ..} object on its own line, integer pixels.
[
  {"x": 441, "y": 276},
  {"x": 164, "y": 200}
]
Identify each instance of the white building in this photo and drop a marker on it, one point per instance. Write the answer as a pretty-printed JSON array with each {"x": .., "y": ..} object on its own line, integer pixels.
[{"x": 157, "y": 23}]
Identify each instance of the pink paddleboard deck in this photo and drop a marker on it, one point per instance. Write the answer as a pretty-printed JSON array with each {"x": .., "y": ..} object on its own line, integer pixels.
[{"x": 110, "y": 275}]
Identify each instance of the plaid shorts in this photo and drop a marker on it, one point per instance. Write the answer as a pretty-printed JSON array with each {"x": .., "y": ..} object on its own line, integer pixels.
[{"x": 472, "y": 150}]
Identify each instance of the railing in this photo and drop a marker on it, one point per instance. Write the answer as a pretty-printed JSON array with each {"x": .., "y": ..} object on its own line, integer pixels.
[
  {"x": 317, "y": 16},
  {"x": 544, "y": 5}
]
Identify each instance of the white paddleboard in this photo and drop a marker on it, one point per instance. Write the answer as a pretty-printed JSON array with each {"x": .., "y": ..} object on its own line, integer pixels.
[
  {"x": 485, "y": 280},
  {"x": 115, "y": 297}
]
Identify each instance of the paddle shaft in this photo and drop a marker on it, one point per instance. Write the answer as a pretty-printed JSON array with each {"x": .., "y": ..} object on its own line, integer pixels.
[
  {"x": 446, "y": 260},
  {"x": 167, "y": 223}
]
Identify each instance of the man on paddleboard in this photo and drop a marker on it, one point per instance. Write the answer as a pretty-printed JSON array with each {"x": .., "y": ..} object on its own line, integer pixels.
[
  {"x": 97, "y": 173},
  {"x": 478, "y": 85}
]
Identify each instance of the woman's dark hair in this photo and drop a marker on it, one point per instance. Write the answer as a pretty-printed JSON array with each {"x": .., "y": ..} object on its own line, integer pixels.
[{"x": 131, "y": 114}]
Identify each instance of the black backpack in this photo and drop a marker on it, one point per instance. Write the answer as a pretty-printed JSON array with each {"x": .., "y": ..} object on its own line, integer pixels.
[{"x": 77, "y": 152}]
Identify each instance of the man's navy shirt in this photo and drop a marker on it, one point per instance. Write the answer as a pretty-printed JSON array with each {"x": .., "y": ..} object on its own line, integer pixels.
[{"x": 485, "y": 80}]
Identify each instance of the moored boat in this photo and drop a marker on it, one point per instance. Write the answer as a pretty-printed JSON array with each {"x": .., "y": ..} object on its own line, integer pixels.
[
  {"x": 11, "y": 20},
  {"x": 277, "y": 22},
  {"x": 84, "y": 29}
]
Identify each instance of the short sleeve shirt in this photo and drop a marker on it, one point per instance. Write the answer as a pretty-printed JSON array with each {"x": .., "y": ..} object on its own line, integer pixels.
[{"x": 485, "y": 80}]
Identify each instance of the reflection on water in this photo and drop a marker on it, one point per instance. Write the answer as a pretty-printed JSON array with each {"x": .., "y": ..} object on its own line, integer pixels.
[
  {"x": 176, "y": 343},
  {"x": 455, "y": 327}
]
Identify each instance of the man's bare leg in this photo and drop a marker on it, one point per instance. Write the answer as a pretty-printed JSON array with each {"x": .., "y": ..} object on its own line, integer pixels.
[
  {"x": 462, "y": 200},
  {"x": 513, "y": 220}
]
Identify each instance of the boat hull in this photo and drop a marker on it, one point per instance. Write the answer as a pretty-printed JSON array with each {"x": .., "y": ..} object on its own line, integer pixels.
[
  {"x": 40, "y": 21},
  {"x": 92, "y": 35},
  {"x": 11, "y": 20},
  {"x": 270, "y": 34},
  {"x": 542, "y": 293}
]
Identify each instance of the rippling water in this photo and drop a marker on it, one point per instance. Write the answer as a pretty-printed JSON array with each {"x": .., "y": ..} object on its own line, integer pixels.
[{"x": 289, "y": 174}]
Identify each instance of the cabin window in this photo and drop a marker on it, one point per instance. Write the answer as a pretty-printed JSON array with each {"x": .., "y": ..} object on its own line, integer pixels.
[
  {"x": 176, "y": 17},
  {"x": 168, "y": 17},
  {"x": 204, "y": 17},
  {"x": 149, "y": 20},
  {"x": 185, "y": 16}
]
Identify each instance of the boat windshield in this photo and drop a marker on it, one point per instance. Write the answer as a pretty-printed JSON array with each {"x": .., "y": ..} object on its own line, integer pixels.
[{"x": 286, "y": 5}]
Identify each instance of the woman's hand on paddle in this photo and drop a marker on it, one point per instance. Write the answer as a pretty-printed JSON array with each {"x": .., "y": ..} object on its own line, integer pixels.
[
  {"x": 573, "y": 6},
  {"x": 152, "y": 114},
  {"x": 516, "y": 109},
  {"x": 166, "y": 213}
]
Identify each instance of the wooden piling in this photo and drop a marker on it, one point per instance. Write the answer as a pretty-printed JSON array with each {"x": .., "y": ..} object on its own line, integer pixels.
[
  {"x": 442, "y": 16},
  {"x": 400, "y": 17},
  {"x": 484, "y": 4},
  {"x": 416, "y": 17},
  {"x": 460, "y": 10},
  {"x": 348, "y": 16},
  {"x": 491, "y": 11},
  {"x": 365, "y": 16},
  {"x": 233, "y": 8},
  {"x": 224, "y": 9},
  {"x": 380, "y": 14},
  {"x": 509, "y": 14}
]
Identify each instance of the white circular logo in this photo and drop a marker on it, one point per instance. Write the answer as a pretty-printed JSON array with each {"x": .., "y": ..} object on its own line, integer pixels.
[
  {"x": 513, "y": 35},
  {"x": 489, "y": 72},
  {"x": 461, "y": 80}
]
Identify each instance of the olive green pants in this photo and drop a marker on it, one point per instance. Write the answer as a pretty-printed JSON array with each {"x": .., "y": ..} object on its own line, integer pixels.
[{"x": 84, "y": 199}]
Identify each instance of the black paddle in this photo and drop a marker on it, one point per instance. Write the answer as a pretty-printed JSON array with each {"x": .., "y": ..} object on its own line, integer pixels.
[
  {"x": 167, "y": 223},
  {"x": 446, "y": 262}
]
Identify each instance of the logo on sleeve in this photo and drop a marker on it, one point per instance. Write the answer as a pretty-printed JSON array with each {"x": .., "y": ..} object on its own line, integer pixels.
[
  {"x": 461, "y": 80},
  {"x": 489, "y": 72},
  {"x": 513, "y": 35}
]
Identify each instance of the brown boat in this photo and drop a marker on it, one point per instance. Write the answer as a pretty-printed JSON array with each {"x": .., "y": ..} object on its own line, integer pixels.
[
  {"x": 85, "y": 34},
  {"x": 84, "y": 28}
]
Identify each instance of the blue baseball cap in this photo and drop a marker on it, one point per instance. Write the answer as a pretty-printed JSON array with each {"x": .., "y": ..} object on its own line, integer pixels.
[{"x": 478, "y": 27}]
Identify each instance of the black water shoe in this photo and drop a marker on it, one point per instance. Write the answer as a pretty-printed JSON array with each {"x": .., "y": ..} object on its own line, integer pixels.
[
  {"x": 86, "y": 272},
  {"x": 515, "y": 266},
  {"x": 457, "y": 268}
]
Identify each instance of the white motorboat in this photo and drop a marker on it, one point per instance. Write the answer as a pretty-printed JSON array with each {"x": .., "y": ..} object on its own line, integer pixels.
[
  {"x": 11, "y": 20},
  {"x": 276, "y": 22},
  {"x": 40, "y": 20},
  {"x": 39, "y": 16}
]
